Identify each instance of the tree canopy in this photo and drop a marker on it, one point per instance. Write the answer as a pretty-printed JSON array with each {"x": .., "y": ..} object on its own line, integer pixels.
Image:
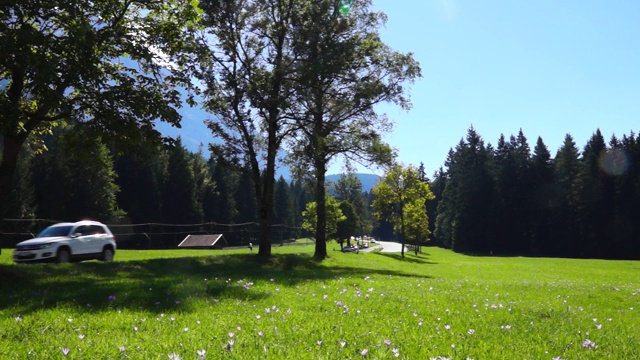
[
  {"x": 334, "y": 216},
  {"x": 344, "y": 70},
  {"x": 401, "y": 198},
  {"x": 111, "y": 67}
]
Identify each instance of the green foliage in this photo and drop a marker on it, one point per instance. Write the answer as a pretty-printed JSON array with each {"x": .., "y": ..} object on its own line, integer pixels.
[
  {"x": 221, "y": 207},
  {"x": 140, "y": 179},
  {"x": 543, "y": 196},
  {"x": 437, "y": 186},
  {"x": 283, "y": 211},
  {"x": 113, "y": 66},
  {"x": 21, "y": 200},
  {"x": 511, "y": 225},
  {"x": 334, "y": 216},
  {"x": 245, "y": 199},
  {"x": 349, "y": 226},
  {"x": 348, "y": 188},
  {"x": 249, "y": 90},
  {"x": 302, "y": 196},
  {"x": 204, "y": 184},
  {"x": 567, "y": 169},
  {"x": 509, "y": 201},
  {"x": 68, "y": 187},
  {"x": 468, "y": 200},
  {"x": 400, "y": 198},
  {"x": 180, "y": 204},
  {"x": 596, "y": 193},
  {"x": 416, "y": 221},
  {"x": 343, "y": 70}
]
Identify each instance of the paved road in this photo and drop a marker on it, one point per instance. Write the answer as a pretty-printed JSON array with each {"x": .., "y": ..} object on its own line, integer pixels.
[{"x": 387, "y": 246}]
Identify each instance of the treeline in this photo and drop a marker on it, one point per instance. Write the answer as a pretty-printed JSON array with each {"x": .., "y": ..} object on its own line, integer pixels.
[
  {"x": 150, "y": 184},
  {"x": 502, "y": 200},
  {"x": 510, "y": 200}
]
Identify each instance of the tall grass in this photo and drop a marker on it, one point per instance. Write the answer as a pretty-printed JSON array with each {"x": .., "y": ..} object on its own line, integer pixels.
[{"x": 194, "y": 304}]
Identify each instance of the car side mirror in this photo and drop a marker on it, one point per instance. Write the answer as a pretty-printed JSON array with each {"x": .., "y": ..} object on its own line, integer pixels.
[{"x": 75, "y": 235}]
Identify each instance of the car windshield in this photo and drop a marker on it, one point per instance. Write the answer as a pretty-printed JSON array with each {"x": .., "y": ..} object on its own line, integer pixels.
[{"x": 55, "y": 231}]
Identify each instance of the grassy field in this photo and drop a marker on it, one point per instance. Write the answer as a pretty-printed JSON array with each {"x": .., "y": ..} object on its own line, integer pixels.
[{"x": 191, "y": 304}]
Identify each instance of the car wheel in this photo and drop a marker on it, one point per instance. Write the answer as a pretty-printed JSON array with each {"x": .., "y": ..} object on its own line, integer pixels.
[
  {"x": 107, "y": 254},
  {"x": 63, "y": 256}
]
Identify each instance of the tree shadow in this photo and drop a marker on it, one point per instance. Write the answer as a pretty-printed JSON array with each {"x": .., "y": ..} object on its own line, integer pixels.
[
  {"x": 410, "y": 258},
  {"x": 161, "y": 285}
]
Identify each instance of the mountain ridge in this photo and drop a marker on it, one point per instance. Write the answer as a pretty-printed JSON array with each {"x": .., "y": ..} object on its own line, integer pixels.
[{"x": 368, "y": 180}]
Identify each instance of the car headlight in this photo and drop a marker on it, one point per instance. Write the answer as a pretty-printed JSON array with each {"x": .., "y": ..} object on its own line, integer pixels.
[{"x": 44, "y": 246}]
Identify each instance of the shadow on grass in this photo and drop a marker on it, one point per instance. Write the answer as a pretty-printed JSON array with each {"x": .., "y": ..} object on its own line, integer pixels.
[
  {"x": 159, "y": 285},
  {"x": 410, "y": 258}
]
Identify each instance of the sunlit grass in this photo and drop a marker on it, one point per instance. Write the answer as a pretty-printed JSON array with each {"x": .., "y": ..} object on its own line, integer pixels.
[{"x": 215, "y": 304}]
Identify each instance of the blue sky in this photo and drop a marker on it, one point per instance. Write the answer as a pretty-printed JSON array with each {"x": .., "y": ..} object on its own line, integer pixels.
[{"x": 546, "y": 67}]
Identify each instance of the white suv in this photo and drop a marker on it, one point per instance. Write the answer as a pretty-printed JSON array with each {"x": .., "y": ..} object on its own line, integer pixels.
[{"x": 65, "y": 242}]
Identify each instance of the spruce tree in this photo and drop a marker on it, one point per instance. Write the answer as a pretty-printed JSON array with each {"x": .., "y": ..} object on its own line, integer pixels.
[
  {"x": 349, "y": 188},
  {"x": 565, "y": 227},
  {"x": 140, "y": 178},
  {"x": 245, "y": 200},
  {"x": 446, "y": 206},
  {"x": 595, "y": 206},
  {"x": 474, "y": 199},
  {"x": 437, "y": 185},
  {"x": 72, "y": 185},
  {"x": 545, "y": 197},
  {"x": 283, "y": 208},
  {"x": 180, "y": 204},
  {"x": 626, "y": 162},
  {"x": 503, "y": 224},
  {"x": 204, "y": 183},
  {"x": 221, "y": 208}
]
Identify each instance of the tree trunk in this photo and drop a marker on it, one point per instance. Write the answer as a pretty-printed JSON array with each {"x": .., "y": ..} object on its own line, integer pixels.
[
  {"x": 266, "y": 198},
  {"x": 402, "y": 240},
  {"x": 264, "y": 250},
  {"x": 321, "y": 211}
]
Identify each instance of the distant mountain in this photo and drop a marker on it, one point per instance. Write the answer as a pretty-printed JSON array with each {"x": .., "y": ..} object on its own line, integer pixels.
[{"x": 368, "y": 180}]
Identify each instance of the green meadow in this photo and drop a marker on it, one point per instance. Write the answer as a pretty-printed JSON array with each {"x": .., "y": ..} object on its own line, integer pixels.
[{"x": 212, "y": 304}]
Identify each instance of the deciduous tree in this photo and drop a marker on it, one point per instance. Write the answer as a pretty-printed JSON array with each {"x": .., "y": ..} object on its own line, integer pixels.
[
  {"x": 334, "y": 216},
  {"x": 111, "y": 65},
  {"x": 248, "y": 91},
  {"x": 400, "y": 198},
  {"x": 344, "y": 70}
]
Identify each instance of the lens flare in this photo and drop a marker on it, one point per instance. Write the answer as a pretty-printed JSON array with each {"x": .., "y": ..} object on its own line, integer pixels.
[
  {"x": 614, "y": 162},
  {"x": 344, "y": 7}
]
